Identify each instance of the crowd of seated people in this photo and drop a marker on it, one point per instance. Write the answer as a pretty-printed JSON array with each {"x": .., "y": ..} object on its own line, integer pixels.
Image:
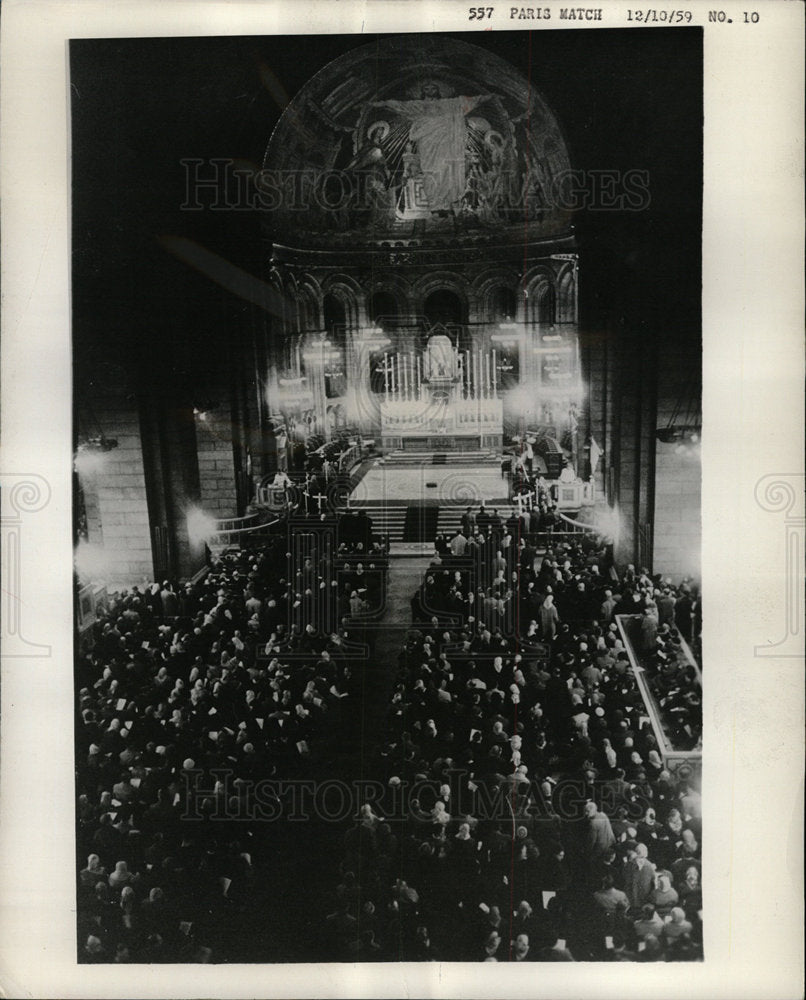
[
  {"x": 526, "y": 813},
  {"x": 186, "y": 695}
]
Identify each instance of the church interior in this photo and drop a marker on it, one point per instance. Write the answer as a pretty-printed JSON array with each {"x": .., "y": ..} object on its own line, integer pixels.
[{"x": 387, "y": 413}]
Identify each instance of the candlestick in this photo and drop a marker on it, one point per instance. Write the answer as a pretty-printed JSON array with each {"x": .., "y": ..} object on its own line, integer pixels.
[
  {"x": 386, "y": 375},
  {"x": 495, "y": 376}
]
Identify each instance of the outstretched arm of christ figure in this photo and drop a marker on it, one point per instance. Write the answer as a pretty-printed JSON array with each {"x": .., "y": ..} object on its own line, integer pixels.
[
  {"x": 406, "y": 108},
  {"x": 401, "y": 107},
  {"x": 473, "y": 102}
]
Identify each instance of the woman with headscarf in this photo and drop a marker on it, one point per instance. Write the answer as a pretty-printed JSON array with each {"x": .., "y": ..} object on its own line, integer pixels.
[
  {"x": 440, "y": 816},
  {"x": 653, "y": 765},
  {"x": 128, "y": 907},
  {"x": 93, "y": 873},
  {"x": 689, "y": 846},
  {"x": 491, "y": 945},
  {"x": 367, "y": 818},
  {"x": 162, "y": 681},
  {"x": 121, "y": 876},
  {"x": 579, "y": 717},
  {"x": 648, "y": 923},
  {"x": 609, "y": 754},
  {"x": 676, "y": 925},
  {"x": 548, "y": 618},
  {"x": 690, "y": 891}
]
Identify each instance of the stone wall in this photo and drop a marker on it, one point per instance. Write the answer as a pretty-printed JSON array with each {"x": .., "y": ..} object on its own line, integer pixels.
[
  {"x": 678, "y": 523},
  {"x": 216, "y": 465},
  {"x": 117, "y": 507}
]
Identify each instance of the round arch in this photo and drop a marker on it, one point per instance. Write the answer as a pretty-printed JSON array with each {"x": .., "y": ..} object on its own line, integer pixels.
[
  {"x": 497, "y": 295},
  {"x": 348, "y": 292},
  {"x": 541, "y": 296}
]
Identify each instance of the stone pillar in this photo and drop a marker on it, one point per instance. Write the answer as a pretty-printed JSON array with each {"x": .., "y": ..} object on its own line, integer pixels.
[
  {"x": 678, "y": 528},
  {"x": 635, "y": 448},
  {"x": 117, "y": 506},
  {"x": 214, "y": 449},
  {"x": 172, "y": 479},
  {"x": 678, "y": 473}
]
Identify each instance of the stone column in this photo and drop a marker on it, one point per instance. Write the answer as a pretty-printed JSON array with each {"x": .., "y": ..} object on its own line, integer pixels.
[
  {"x": 115, "y": 480},
  {"x": 214, "y": 449}
]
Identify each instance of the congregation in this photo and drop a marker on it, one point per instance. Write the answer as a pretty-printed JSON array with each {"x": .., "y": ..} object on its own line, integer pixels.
[
  {"x": 527, "y": 812},
  {"x": 534, "y": 818}
]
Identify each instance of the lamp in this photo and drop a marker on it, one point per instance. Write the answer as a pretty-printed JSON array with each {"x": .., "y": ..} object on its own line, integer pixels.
[
  {"x": 97, "y": 443},
  {"x": 684, "y": 427}
]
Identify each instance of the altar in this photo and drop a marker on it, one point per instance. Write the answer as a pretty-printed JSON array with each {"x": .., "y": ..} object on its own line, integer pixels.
[{"x": 441, "y": 400}]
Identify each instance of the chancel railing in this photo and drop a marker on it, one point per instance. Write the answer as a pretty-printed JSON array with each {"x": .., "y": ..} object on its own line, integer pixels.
[
  {"x": 567, "y": 496},
  {"x": 674, "y": 705},
  {"x": 241, "y": 532}
]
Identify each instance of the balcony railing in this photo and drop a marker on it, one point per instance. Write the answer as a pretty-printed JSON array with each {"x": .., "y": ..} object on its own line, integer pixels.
[{"x": 671, "y": 752}]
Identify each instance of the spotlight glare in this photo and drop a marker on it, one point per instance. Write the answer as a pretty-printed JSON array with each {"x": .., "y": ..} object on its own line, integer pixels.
[
  {"x": 91, "y": 562},
  {"x": 89, "y": 461},
  {"x": 200, "y": 526}
]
